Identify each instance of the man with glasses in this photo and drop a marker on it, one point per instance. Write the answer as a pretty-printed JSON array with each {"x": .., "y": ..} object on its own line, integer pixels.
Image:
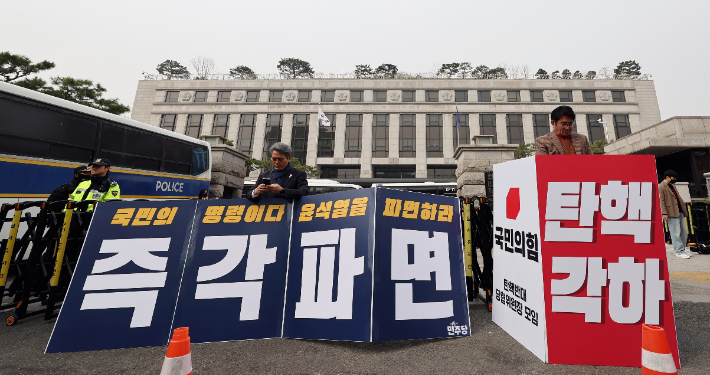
[
  {"x": 562, "y": 140},
  {"x": 283, "y": 180}
]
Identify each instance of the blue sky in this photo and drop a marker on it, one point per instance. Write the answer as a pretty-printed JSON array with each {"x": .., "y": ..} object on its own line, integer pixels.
[{"x": 113, "y": 43}]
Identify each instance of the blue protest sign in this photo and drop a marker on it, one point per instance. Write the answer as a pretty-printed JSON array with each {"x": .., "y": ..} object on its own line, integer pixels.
[
  {"x": 420, "y": 287},
  {"x": 235, "y": 276},
  {"x": 329, "y": 293},
  {"x": 124, "y": 289}
]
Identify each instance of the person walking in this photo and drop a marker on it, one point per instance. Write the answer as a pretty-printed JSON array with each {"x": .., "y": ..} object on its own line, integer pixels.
[{"x": 674, "y": 213}]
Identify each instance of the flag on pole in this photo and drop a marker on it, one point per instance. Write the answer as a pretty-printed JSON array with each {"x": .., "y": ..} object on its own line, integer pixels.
[
  {"x": 323, "y": 118},
  {"x": 458, "y": 119}
]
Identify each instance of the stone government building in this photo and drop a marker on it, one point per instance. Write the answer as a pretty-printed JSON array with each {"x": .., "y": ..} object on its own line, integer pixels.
[{"x": 389, "y": 130}]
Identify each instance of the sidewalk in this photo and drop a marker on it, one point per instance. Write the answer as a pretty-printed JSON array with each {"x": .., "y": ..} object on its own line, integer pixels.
[{"x": 690, "y": 278}]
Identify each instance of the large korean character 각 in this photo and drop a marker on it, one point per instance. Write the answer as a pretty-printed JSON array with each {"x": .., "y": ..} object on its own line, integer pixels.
[
  {"x": 639, "y": 277},
  {"x": 565, "y": 203},
  {"x": 250, "y": 289},
  {"x": 139, "y": 251}
]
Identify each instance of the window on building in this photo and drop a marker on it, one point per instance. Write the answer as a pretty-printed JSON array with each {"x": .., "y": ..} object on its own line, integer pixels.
[
  {"x": 304, "y": 96},
  {"x": 172, "y": 96},
  {"x": 200, "y": 96},
  {"x": 328, "y": 96},
  {"x": 221, "y": 123},
  {"x": 252, "y": 96},
  {"x": 621, "y": 126},
  {"x": 461, "y": 95},
  {"x": 541, "y": 125},
  {"x": 514, "y": 129},
  {"x": 394, "y": 171},
  {"x": 340, "y": 172},
  {"x": 441, "y": 172},
  {"x": 299, "y": 137},
  {"x": 462, "y": 136},
  {"x": 484, "y": 96},
  {"x": 434, "y": 136},
  {"x": 536, "y": 96},
  {"x": 565, "y": 96},
  {"x": 380, "y": 136},
  {"x": 194, "y": 125},
  {"x": 353, "y": 136},
  {"x": 223, "y": 96},
  {"x": 595, "y": 127},
  {"x": 326, "y": 137},
  {"x": 276, "y": 96},
  {"x": 589, "y": 96},
  {"x": 488, "y": 126},
  {"x": 272, "y": 133},
  {"x": 618, "y": 96},
  {"x": 380, "y": 95},
  {"x": 408, "y": 95},
  {"x": 356, "y": 96},
  {"x": 167, "y": 122},
  {"x": 432, "y": 95},
  {"x": 407, "y": 136},
  {"x": 246, "y": 133},
  {"x": 513, "y": 96}
]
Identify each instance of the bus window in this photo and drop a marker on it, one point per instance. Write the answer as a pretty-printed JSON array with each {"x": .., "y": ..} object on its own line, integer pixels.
[
  {"x": 45, "y": 133},
  {"x": 178, "y": 157},
  {"x": 200, "y": 160},
  {"x": 130, "y": 148}
]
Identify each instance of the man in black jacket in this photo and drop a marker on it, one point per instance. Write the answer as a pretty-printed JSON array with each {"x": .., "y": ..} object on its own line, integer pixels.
[
  {"x": 284, "y": 181},
  {"x": 63, "y": 192}
]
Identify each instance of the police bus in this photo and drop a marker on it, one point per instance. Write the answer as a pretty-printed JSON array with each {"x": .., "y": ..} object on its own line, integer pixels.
[
  {"x": 315, "y": 186},
  {"x": 43, "y": 138},
  {"x": 437, "y": 188}
]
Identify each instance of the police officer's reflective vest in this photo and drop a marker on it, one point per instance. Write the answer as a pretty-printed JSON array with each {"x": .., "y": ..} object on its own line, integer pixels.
[{"x": 106, "y": 191}]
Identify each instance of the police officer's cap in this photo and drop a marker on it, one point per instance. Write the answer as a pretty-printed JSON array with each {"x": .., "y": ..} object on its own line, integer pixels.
[{"x": 102, "y": 161}]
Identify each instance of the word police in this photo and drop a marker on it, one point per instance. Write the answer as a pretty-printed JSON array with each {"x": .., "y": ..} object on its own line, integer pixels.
[{"x": 169, "y": 186}]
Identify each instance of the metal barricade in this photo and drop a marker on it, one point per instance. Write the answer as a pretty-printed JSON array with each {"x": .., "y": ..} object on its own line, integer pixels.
[
  {"x": 477, "y": 217},
  {"x": 43, "y": 258}
]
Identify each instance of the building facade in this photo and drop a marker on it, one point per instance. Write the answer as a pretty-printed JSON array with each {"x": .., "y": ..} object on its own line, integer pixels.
[{"x": 389, "y": 130}]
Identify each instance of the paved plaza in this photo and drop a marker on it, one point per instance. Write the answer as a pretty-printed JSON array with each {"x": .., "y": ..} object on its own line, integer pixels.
[{"x": 489, "y": 350}]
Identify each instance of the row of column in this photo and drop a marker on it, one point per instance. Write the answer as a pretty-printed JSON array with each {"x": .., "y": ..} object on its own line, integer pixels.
[{"x": 366, "y": 160}]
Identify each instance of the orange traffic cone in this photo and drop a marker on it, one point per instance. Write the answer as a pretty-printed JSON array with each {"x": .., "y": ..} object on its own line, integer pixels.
[
  {"x": 656, "y": 357},
  {"x": 178, "y": 360}
]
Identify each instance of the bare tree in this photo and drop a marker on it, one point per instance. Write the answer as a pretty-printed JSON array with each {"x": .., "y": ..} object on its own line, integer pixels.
[
  {"x": 526, "y": 71},
  {"x": 605, "y": 73},
  {"x": 204, "y": 66}
]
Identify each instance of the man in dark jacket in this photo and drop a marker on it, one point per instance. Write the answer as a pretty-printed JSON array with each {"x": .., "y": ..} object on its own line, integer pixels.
[
  {"x": 284, "y": 181},
  {"x": 63, "y": 192}
]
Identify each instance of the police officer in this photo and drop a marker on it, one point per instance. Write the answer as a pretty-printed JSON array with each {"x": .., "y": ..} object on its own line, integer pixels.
[
  {"x": 99, "y": 187},
  {"x": 63, "y": 192}
]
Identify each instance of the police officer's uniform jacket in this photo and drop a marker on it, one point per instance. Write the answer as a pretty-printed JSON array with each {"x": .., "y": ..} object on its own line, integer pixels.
[{"x": 96, "y": 189}]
